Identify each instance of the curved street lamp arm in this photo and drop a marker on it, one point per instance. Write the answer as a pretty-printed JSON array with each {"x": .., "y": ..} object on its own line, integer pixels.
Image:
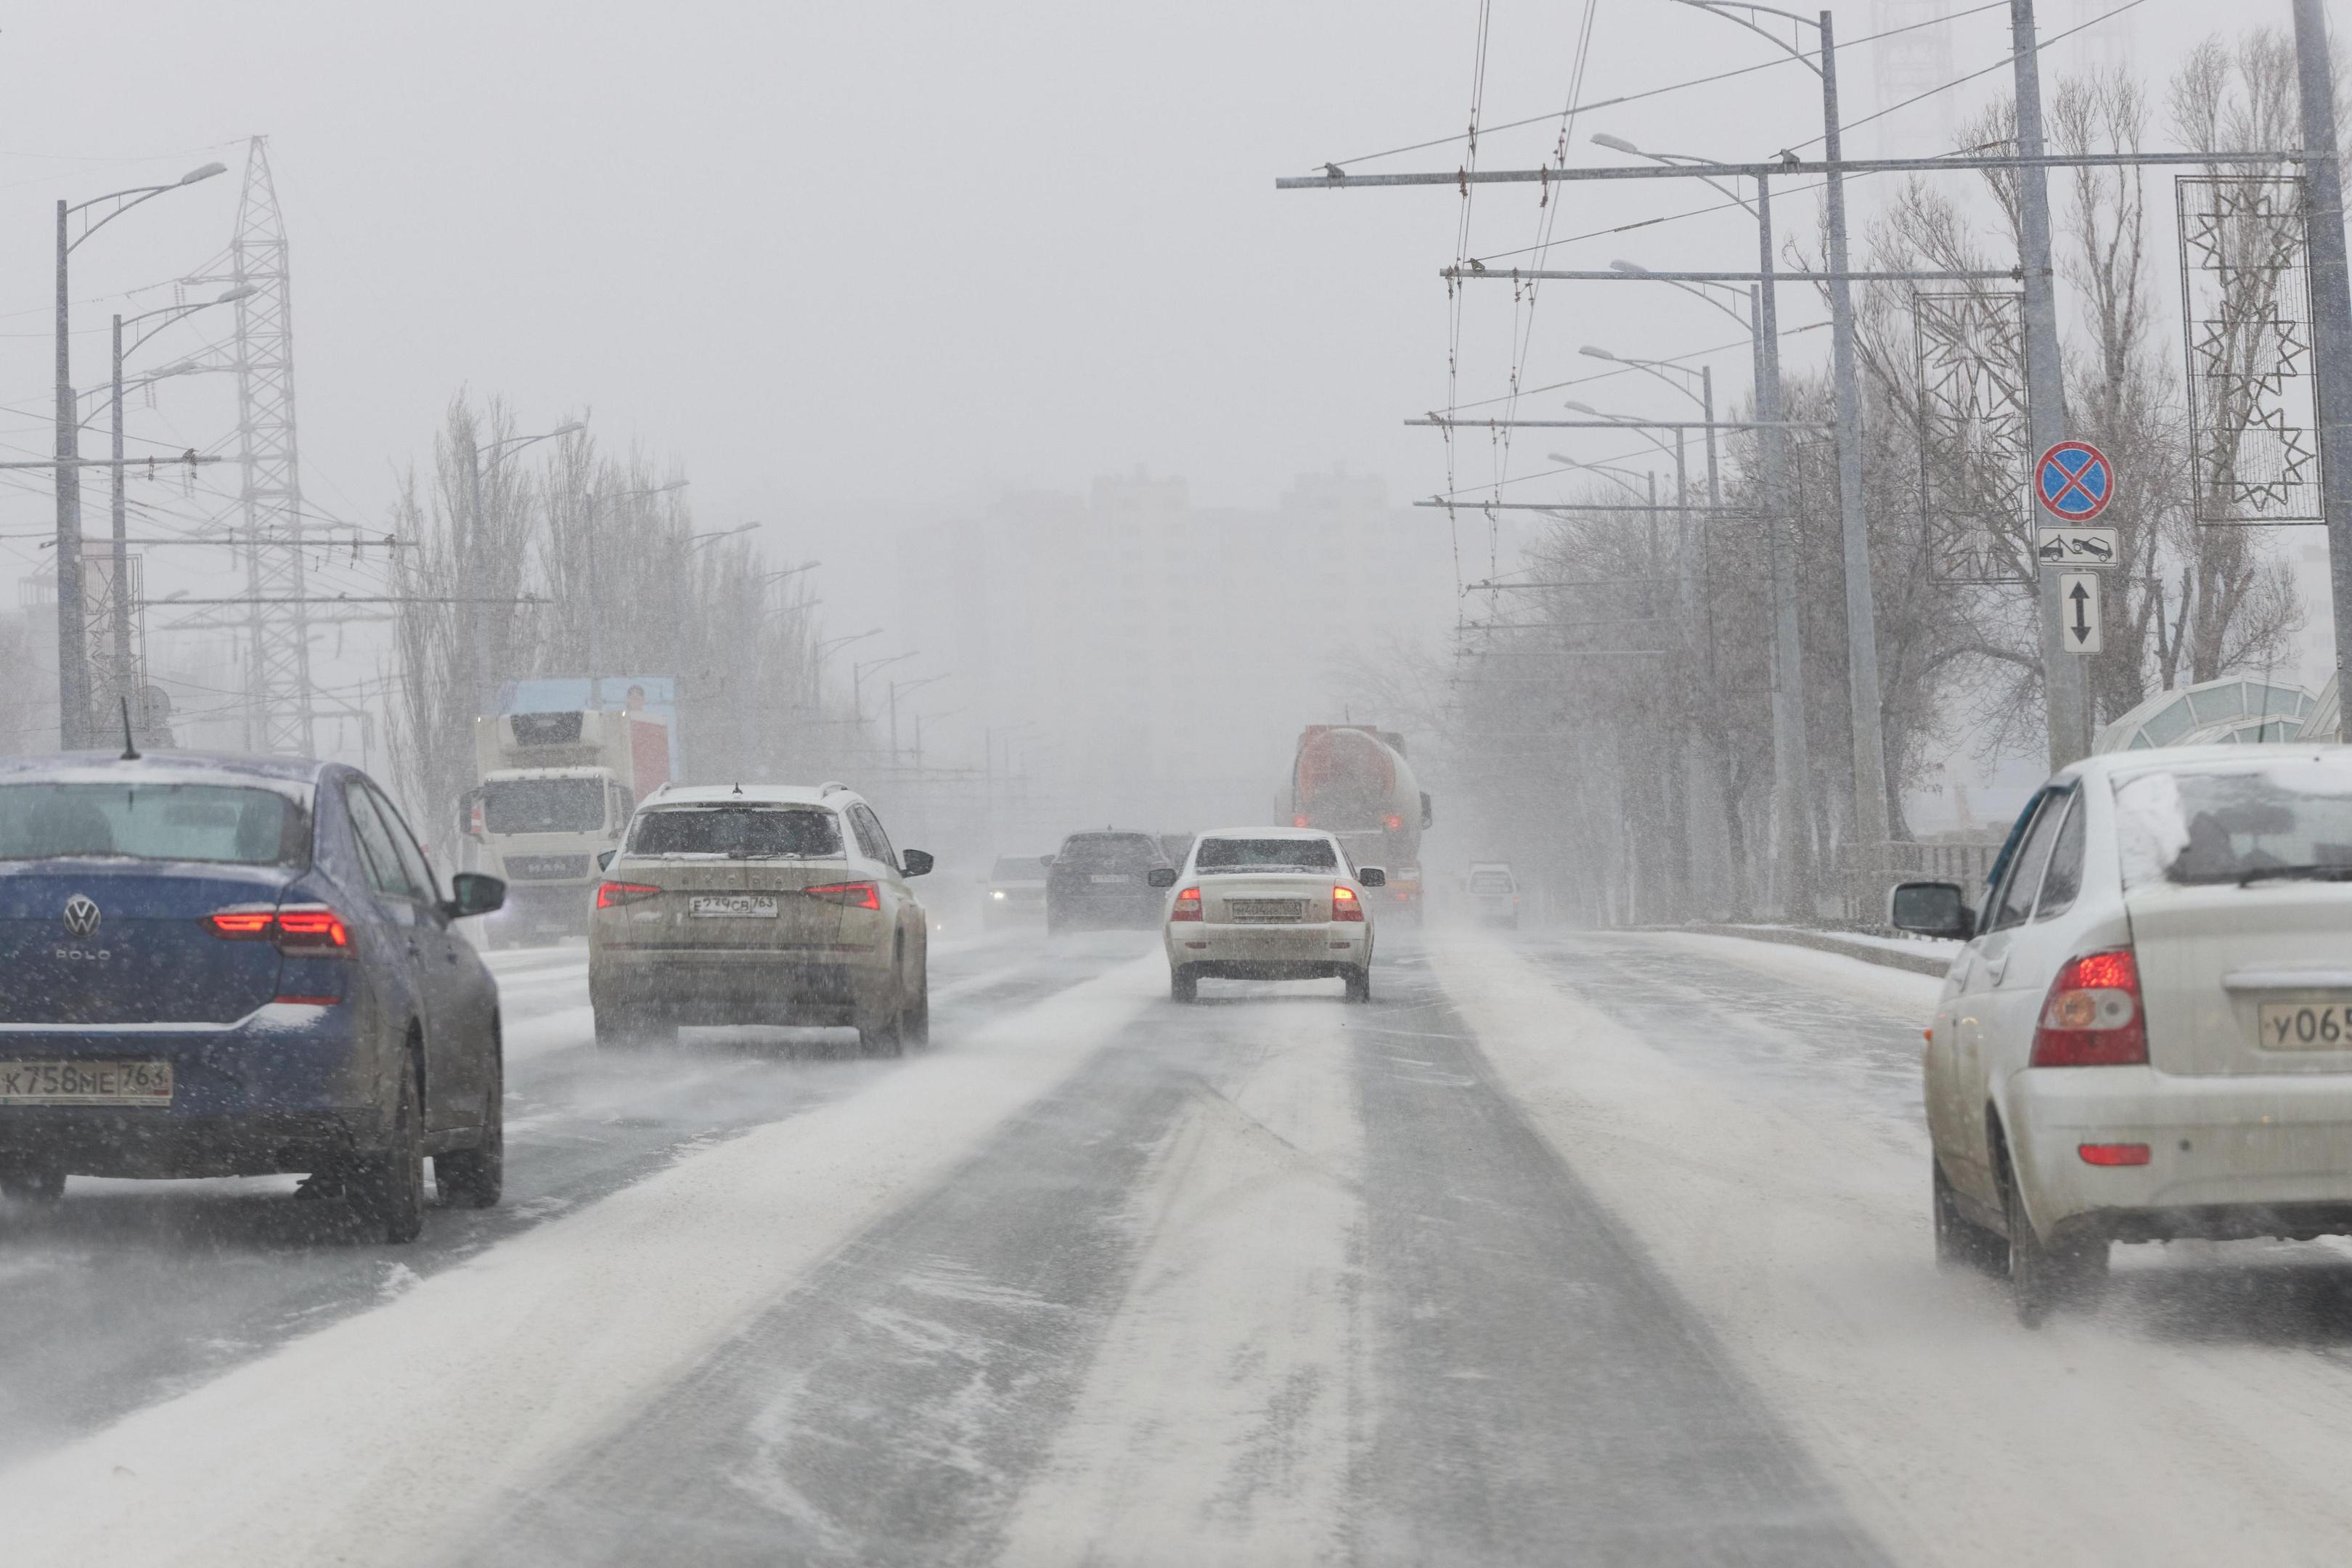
[
  {"x": 1651, "y": 368},
  {"x": 1699, "y": 291},
  {"x": 1725, "y": 8}
]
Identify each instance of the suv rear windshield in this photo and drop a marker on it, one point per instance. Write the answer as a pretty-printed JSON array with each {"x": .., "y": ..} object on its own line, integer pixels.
[
  {"x": 1016, "y": 869},
  {"x": 2287, "y": 818},
  {"x": 1217, "y": 855},
  {"x": 1109, "y": 852},
  {"x": 221, "y": 823},
  {"x": 738, "y": 832},
  {"x": 543, "y": 806}
]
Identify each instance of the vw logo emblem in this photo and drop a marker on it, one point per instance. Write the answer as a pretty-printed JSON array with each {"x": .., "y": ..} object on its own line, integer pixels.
[{"x": 81, "y": 915}]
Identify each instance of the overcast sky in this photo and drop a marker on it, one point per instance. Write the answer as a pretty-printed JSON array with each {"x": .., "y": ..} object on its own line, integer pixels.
[{"x": 833, "y": 254}]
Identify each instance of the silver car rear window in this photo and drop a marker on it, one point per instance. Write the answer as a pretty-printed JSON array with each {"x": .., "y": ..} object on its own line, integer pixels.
[
  {"x": 738, "y": 832},
  {"x": 1266, "y": 855},
  {"x": 2286, "y": 818}
]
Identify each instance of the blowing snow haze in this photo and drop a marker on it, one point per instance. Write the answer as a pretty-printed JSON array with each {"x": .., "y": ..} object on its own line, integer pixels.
[{"x": 1255, "y": 785}]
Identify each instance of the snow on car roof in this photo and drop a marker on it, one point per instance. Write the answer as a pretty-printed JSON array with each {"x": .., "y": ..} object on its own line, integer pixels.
[
  {"x": 749, "y": 795},
  {"x": 290, "y": 776},
  {"x": 1283, "y": 832}
]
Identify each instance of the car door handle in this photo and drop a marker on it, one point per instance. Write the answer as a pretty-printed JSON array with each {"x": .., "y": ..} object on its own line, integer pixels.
[{"x": 1995, "y": 968}]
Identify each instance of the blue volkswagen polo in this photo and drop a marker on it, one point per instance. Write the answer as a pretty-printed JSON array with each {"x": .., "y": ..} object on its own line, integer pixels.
[{"x": 227, "y": 966}]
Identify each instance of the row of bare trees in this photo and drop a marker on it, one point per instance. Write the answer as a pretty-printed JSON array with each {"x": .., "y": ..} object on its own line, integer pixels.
[
  {"x": 563, "y": 560},
  {"x": 1610, "y": 724}
]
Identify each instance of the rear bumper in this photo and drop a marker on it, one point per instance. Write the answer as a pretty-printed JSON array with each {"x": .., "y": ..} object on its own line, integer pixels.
[
  {"x": 2240, "y": 1155},
  {"x": 290, "y": 1088},
  {"x": 1269, "y": 953},
  {"x": 712, "y": 988}
]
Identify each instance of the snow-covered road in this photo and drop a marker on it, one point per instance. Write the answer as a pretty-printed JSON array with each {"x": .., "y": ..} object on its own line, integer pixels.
[{"x": 1568, "y": 1249}]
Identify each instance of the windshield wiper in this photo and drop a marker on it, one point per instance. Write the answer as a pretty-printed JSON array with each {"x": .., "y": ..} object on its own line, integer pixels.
[{"x": 2296, "y": 873}]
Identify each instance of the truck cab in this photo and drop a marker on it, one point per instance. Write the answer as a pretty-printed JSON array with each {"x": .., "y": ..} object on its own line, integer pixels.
[
  {"x": 542, "y": 830},
  {"x": 556, "y": 792}
]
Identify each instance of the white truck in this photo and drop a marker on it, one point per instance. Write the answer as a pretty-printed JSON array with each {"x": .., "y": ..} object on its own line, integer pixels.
[{"x": 556, "y": 791}]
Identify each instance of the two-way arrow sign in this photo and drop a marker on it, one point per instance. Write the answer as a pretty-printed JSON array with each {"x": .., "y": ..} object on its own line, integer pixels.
[{"x": 2078, "y": 597}]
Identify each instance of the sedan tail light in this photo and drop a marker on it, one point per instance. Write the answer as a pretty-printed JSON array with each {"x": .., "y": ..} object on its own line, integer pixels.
[
  {"x": 855, "y": 895},
  {"x": 612, "y": 895},
  {"x": 1187, "y": 906},
  {"x": 1345, "y": 905},
  {"x": 2092, "y": 1016},
  {"x": 312, "y": 929}
]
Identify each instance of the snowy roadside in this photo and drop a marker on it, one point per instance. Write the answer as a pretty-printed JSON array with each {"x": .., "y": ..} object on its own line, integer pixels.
[
  {"x": 1801, "y": 1240},
  {"x": 383, "y": 1438}
]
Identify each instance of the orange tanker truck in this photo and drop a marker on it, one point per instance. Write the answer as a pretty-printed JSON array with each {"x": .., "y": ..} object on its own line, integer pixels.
[{"x": 1352, "y": 781}]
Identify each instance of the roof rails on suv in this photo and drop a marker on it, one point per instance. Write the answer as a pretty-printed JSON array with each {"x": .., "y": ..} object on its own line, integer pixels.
[{"x": 829, "y": 786}]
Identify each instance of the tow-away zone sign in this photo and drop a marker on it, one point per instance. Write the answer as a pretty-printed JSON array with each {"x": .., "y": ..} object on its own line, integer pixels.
[{"x": 2078, "y": 615}]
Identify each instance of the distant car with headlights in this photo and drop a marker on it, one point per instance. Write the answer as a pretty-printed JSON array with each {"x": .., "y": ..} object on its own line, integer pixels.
[
  {"x": 1014, "y": 892},
  {"x": 760, "y": 904},
  {"x": 236, "y": 966},
  {"x": 2148, "y": 1033},
  {"x": 1103, "y": 880},
  {"x": 1269, "y": 903}
]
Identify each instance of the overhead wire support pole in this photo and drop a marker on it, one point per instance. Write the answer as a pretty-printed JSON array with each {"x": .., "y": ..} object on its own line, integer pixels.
[
  {"x": 2331, "y": 311},
  {"x": 2066, "y": 699}
]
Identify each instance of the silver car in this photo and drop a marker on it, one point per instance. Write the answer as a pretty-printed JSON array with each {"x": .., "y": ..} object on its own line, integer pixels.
[
  {"x": 1268, "y": 903},
  {"x": 2148, "y": 1033},
  {"x": 760, "y": 904}
]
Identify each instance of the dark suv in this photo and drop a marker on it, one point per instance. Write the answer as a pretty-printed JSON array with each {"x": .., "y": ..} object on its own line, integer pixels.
[{"x": 1104, "y": 879}]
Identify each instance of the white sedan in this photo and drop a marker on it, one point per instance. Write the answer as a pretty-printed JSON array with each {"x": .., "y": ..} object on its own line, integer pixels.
[
  {"x": 2148, "y": 1034},
  {"x": 1268, "y": 903}
]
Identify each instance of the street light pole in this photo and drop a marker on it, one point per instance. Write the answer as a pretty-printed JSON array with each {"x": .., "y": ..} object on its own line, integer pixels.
[
  {"x": 73, "y": 632},
  {"x": 73, "y": 666},
  {"x": 1792, "y": 766},
  {"x": 2331, "y": 312},
  {"x": 1865, "y": 717}
]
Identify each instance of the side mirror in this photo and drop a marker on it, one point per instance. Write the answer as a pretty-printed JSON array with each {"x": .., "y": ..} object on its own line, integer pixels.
[
  {"x": 1374, "y": 877},
  {"x": 1045, "y": 862},
  {"x": 471, "y": 893},
  {"x": 1428, "y": 817},
  {"x": 1931, "y": 909},
  {"x": 1165, "y": 876},
  {"x": 914, "y": 862},
  {"x": 604, "y": 857}
]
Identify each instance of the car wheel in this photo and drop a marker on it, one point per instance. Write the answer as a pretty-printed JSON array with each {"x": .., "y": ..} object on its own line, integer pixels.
[
  {"x": 884, "y": 1031},
  {"x": 1360, "y": 984},
  {"x": 387, "y": 1186},
  {"x": 918, "y": 1016},
  {"x": 2043, "y": 1278},
  {"x": 475, "y": 1178},
  {"x": 1183, "y": 986},
  {"x": 32, "y": 1184},
  {"x": 1960, "y": 1244}
]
